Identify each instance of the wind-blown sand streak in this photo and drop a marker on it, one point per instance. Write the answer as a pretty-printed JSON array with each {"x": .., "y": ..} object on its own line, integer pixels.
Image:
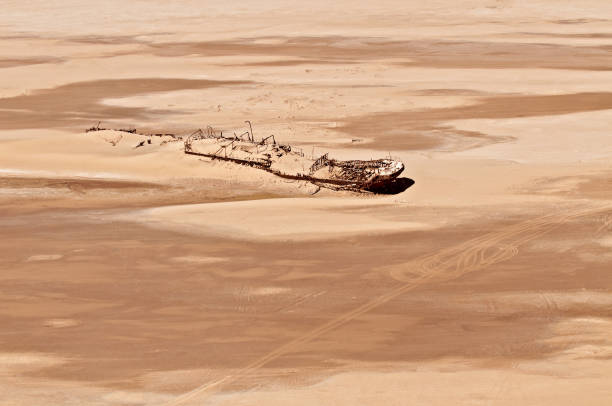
[
  {"x": 79, "y": 104},
  {"x": 422, "y": 129},
  {"x": 419, "y": 53}
]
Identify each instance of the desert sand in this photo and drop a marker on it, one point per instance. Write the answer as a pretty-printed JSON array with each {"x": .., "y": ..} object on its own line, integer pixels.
[{"x": 148, "y": 277}]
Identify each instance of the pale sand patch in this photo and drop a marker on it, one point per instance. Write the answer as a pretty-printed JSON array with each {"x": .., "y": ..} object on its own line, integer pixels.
[
  {"x": 130, "y": 398},
  {"x": 44, "y": 257},
  {"x": 279, "y": 219},
  {"x": 21, "y": 362},
  {"x": 192, "y": 259},
  {"x": 17, "y": 389},
  {"x": 447, "y": 382},
  {"x": 268, "y": 290},
  {"x": 577, "y": 246},
  {"x": 589, "y": 257},
  {"x": 179, "y": 379},
  {"x": 40, "y": 392},
  {"x": 576, "y": 137},
  {"x": 528, "y": 302},
  {"x": 560, "y": 246},
  {"x": 61, "y": 323},
  {"x": 88, "y": 155},
  {"x": 605, "y": 242},
  {"x": 249, "y": 291},
  {"x": 295, "y": 262},
  {"x": 586, "y": 337},
  {"x": 557, "y": 300}
]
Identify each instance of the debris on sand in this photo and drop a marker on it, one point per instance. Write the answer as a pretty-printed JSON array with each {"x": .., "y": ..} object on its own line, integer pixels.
[{"x": 377, "y": 176}]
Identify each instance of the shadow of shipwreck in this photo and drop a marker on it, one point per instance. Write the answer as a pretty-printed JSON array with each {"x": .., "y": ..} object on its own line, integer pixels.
[{"x": 394, "y": 187}]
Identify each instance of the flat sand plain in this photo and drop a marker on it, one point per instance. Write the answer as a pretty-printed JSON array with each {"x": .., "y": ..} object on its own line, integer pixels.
[{"x": 144, "y": 277}]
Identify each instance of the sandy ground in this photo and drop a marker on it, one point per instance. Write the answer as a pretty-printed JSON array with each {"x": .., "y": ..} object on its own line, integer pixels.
[{"x": 147, "y": 277}]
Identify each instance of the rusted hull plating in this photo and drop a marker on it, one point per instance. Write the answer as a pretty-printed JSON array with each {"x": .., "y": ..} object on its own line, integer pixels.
[
  {"x": 363, "y": 176},
  {"x": 349, "y": 175}
]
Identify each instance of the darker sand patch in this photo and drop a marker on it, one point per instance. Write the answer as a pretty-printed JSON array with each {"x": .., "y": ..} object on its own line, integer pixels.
[
  {"x": 580, "y": 186},
  {"x": 27, "y": 195},
  {"x": 596, "y": 187},
  {"x": 424, "y": 129},
  {"x": 295, "y": 62},
  {"x": 426, "y": 53},
  {"x": 572, "y": 21},
  {"x": 114, "y": 39},
  {"x": 78, "y": 104},
  {"x": 12, "y": 62},
  {"x": 140, "y": 310},
  {"x": 106, "y": 39},
  {"x": 449, "y": 92},
  {"x": 82, "y": 184},
  {"x": 589, "y": 35}
]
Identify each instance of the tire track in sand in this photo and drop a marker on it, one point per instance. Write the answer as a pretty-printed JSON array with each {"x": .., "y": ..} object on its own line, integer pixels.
[{"x": 445, "y": 265}]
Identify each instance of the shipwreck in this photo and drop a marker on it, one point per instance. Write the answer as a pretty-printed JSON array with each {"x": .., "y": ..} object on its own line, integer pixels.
[{"x": 282, "y": 160}]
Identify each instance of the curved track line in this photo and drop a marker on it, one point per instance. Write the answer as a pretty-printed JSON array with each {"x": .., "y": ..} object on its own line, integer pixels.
[
  {"x": 489, "y": 249},
  {"x": 445, "y": 265}
]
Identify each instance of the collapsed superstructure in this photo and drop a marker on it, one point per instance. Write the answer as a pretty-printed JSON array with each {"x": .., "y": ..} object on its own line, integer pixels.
[{"x": 284, "y": 161}]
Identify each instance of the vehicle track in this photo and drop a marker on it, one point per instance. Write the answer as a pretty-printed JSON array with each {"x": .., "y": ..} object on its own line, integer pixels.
[
  {"x": 447, "y": 264},
  {"x": 485, "y": 250},
  {"x": 606, "y": 225}
]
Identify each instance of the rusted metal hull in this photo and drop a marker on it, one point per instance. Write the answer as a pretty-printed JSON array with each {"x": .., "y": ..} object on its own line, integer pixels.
[
  {"x": 376, "y": 182},
  {"x": 272, "y": 157}
]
